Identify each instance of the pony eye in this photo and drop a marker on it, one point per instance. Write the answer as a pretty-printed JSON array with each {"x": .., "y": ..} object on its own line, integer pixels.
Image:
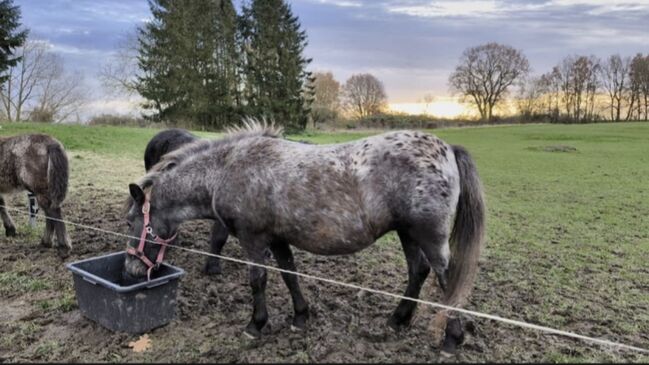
[{"x": 128, "y": 224}]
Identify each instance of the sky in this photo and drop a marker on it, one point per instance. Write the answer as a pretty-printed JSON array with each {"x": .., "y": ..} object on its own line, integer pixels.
[{"x": 410, "y": 45}]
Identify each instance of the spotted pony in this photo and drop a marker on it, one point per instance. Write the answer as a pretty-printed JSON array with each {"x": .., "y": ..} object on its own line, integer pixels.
[{"x": 335, "y": 199}]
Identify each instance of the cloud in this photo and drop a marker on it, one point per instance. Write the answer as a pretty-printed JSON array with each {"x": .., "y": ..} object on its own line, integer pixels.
[
  {"x": 412, "y": 45},
  {"x": 509, "y": 8},
  {"x": 342, "y": 3},
  {"x": 434, "y": 9}
]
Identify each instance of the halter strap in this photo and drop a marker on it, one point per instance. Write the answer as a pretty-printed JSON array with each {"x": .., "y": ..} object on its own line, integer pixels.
[{"x": 148, "y": 230}]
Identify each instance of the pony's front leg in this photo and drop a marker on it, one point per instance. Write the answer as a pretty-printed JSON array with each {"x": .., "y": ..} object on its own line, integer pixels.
[
  {"x": 217, "y": 240},
  {"x": 257, "y": 253},
  {"x": 10, "y": 228}
]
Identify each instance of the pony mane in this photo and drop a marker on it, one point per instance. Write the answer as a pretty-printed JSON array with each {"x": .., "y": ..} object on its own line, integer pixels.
[
  {"x": 252, "y": 127},
  {"x": 249, "y": 128}
]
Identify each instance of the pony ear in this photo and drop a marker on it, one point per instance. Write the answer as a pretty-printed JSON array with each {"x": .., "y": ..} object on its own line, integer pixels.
[{"x": 137, "y": 193}]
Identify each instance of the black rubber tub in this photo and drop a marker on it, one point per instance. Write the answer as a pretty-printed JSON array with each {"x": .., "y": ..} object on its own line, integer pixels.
[{"x": 136, "y": 308}]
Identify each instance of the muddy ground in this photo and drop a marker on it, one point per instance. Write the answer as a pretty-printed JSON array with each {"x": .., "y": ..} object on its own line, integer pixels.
[{"x": 40, "y": 320}]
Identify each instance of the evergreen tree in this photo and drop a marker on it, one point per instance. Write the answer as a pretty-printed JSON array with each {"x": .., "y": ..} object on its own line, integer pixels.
[
  {"x": 10, "y": 37},
  {"x": 276, "y": 84},
  {"x": 188, "y": 62}
]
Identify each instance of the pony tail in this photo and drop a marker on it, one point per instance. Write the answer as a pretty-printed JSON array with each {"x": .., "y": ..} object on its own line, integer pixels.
[
  {"x": 57, "y": 173},
  {"x": 467, "y": 237}
]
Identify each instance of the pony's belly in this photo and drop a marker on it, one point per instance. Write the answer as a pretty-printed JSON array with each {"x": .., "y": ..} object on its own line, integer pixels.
[{"x": 332, "y": 245}]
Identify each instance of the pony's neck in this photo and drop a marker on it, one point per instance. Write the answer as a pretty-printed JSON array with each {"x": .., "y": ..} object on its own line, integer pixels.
[{"x": 182, "y": 197}]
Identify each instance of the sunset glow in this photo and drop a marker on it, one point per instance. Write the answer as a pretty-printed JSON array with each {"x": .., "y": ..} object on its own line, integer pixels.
[{"x": 442, "y": 107}]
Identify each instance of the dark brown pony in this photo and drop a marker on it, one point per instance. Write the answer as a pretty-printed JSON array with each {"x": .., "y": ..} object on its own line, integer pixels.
[{"x": 36, "y": 163}]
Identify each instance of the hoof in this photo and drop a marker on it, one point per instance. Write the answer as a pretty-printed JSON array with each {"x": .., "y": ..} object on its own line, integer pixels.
[
  {"x": 397, "y": 324},
  {"x": 252, "y": 332},
  {"x": 454, "y": 337},
  {"x": 446, "y": 355},
  {"x": 46, "y": 244},
  {"x": 63, "y": 252},
  {"x": 212, "y": 268},
  {"x": 10, "y": 231},
  {"x": 300, "y": 321}
]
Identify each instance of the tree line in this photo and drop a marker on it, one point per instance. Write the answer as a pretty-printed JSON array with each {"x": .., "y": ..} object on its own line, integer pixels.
[
  {"x": 572, "y": 91},
  {"x": 204, "y": 63}
]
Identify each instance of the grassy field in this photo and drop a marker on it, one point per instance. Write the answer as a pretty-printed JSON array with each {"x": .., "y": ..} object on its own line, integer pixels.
[{"x": 568, "y": 234}]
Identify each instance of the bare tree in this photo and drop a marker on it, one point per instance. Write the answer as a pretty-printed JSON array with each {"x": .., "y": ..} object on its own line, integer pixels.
[
  {"x": 485, "y": 74},
  {"x": 61, "y": 95},
  {"x": 428, "y": 99},
  {"x": 25, "y": 78},
  {"x": 364, "y": 95},
  {"x": 532, "y": 97},
  {"x": 577, "y": 79},
  {"x": 645, "y": 86},
  {"x": 326, "y": 101},
  {"x": 614, "y": 76},
  {"x": 639, "y": 88},
  {"x": 119, "y": 74},
  {"x": 39, "y": 88}
]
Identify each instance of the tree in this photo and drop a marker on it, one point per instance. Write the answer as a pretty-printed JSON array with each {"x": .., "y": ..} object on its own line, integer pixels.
[
  {"x": 614, "y": 76},
  {"x": 428, "y": 99},
  {"x": 577, "y": 77},
  {"x": 60, "y": 95},
  {"x": 119, "y": 74},
  {"x": 10, "y": 37},
  {"x": 274, "y": 66},
  {"x": 24, "y": 78},
  {"x": 531, "y": 99},
  {"x": 485, "y": 74},
  {"x": 638, "y": 88},
  {"x": 39, "y": 87},
  {"x": 364, "y": 95},
  {"x": 187, "y": 60},
  {"x": 326, "y": 97}
]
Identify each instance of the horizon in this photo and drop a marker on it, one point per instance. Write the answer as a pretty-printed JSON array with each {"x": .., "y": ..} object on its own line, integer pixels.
[{"x": 411, "y": 46}]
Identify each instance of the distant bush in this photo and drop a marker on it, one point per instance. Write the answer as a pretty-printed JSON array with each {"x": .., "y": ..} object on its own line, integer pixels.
[
  {"x": 405, "y": 121},
  {"x": 119, "y": 120},
  {"x": 41, "y": 115}
]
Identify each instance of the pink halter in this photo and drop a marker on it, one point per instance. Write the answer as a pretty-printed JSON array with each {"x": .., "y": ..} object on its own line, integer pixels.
[{"x": 148, "y": 230}]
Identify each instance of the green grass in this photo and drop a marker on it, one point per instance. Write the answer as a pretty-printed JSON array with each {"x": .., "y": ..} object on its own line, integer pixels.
[
  {"x": 65, "y": 303},
  {"x": 568, "y": 233},
  {"x": 12, "y": 282},
  {"x": 105, "y": 140}
]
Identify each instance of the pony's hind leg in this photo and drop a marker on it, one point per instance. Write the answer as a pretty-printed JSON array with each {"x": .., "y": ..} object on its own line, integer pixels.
[
  {"x": 46, "y": 241},
  {"x": 10, "y": 228},
  {"x": 418, "y": 270},
  {"x": 433, "y": 239},
  {"x": 218, "y": 238},
  {"x": 63, "y": 241},
  {"x": 284, "y": 256},
  {"x": 54, "y": 225}
]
